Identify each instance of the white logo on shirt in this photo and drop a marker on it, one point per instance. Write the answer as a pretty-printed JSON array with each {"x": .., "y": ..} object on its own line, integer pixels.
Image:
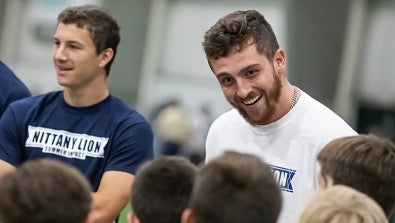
[{"x": 67, "y": 144}]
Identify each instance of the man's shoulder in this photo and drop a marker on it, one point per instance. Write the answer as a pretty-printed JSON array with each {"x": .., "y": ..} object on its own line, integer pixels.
[
  {"x": 124, "y": 111},
  {"x": 230, "y": 122},
  {"x": 229, "y": 118},
  {"x": 318, "y": 112},
  {"x": 321, "y": 122},
  {"x": 231, "y": 115},
  {"x": 36, "y": 100}
]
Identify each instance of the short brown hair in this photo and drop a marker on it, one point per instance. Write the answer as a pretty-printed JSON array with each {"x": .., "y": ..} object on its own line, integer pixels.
[
  {"x": 103, "y": 28},
  {"x": 162, "y": 187},
  {"x": 238, "y": 29},
  {"x": 364, "y": 162},
  {"x": 236, "y": 188},
  {"x": 44, "y": 190}
]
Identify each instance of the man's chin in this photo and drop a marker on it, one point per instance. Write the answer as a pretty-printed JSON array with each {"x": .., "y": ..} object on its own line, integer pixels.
[
  {"x": 61, "y": 84},
  {"x": 262, "y": 120},
  {"x": 247, "y": 117}
]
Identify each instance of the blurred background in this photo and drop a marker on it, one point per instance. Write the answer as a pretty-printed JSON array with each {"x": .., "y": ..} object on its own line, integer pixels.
[{"x": 341, "y": 52}]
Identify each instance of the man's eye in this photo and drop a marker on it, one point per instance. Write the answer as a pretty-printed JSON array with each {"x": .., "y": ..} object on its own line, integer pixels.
[
  {"x": 226, "y": 81},
  {"x": 251, "y": 73}
]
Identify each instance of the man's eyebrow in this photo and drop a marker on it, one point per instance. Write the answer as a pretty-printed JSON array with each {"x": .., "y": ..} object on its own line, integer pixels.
[
  {"x": 241, "y": 71},
  {"x": 248, "y": 67},
  {"x": 69, "y": 41},
  {"x": 221, "y": 74}
]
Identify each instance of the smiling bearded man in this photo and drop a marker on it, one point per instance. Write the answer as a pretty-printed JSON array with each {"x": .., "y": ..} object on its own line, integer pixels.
[{"x": 271, "y": 119}]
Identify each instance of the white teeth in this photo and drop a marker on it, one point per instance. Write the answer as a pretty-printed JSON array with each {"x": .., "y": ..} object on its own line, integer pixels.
[{"x": 251, "y": 101}]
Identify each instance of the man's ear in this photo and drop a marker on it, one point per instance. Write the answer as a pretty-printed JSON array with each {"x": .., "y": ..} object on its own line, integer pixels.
[
  {"x": 188, "y": 216},
  {"x": 324, "y": 180},
  {"x": 106, "y": 56},
  {"x": 279, "y": 61},
  {"x": 321, "y": 180}
]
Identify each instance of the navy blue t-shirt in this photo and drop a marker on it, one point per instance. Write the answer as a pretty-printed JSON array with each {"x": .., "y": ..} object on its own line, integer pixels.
[
  {"x": 11, "y": 88},
  {"x": 98, "y": 138}
]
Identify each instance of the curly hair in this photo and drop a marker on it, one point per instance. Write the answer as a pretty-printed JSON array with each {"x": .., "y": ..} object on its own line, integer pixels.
[{"x": 236, "y": 31}]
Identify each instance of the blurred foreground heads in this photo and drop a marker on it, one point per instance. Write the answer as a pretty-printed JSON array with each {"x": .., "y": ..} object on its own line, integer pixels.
[
  {"x": 363, "y": 162},
  {"x": 342, "y": 204},
  {"x": 234, "y": 188},
  {"x": 161, "y": 190},
  {"x": 45, "y": 191}
]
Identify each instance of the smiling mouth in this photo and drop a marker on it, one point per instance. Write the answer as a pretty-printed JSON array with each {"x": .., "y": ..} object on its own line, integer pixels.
[
  {"x": 64, "y": 68},
  {"x": 252, "y": 100}
]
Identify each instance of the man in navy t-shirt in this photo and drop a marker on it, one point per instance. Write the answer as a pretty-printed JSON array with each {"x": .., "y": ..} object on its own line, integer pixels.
[{"x": 82, "y": 125}]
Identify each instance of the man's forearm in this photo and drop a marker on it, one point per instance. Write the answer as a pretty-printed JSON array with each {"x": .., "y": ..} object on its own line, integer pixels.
[
  {"x": 5, "y": 167},
  {"x": 106, "y": 209}
]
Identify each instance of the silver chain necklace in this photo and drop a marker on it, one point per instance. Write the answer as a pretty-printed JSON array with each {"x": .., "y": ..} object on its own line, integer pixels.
[{"x": 294, "y": 98}]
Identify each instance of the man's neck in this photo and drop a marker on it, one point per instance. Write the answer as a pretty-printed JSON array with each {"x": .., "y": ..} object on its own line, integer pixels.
[{"x": 84, "y": 98}]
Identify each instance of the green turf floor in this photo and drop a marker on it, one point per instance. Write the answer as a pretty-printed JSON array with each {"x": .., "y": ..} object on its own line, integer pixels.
[{"x": 122, "y": 218}]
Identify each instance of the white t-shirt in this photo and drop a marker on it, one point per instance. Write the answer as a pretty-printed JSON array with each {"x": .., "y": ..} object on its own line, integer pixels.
[{"x": 289, "y": 145}]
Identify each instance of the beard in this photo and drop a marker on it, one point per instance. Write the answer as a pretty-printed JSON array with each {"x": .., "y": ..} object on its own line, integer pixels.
[{"x": 271, "y": 96}]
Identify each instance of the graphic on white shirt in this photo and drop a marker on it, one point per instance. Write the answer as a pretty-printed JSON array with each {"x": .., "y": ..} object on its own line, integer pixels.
[
  {"x": 66, "y": 144},
  {"x": 284, "y": 177}
]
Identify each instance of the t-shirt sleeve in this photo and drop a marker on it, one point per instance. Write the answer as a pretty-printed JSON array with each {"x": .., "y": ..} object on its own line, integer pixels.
[
  {"x": 133, "y": 146},
  {"x": 10, "y": 134}
]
